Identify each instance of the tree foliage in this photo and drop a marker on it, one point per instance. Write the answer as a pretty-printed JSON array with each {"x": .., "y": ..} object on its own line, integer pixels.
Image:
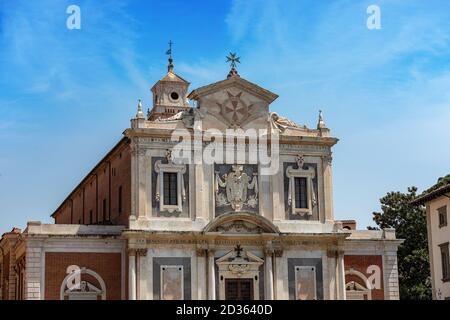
[{"x": 409, "y": 222}]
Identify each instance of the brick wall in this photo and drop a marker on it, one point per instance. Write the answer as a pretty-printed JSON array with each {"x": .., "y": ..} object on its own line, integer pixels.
[
  {"x": 361, "y": 263},
  {"x": 99, "y": 192},
  {"x": 107, "y": 265}
]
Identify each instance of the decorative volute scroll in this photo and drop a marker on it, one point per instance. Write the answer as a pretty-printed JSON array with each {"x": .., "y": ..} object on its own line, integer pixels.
[
  {"x": 180, "y": 170},
  {"x": 236, "y": 184},
  {"x": 301, "y": 172},
  {"x": 278, "y": 123}
]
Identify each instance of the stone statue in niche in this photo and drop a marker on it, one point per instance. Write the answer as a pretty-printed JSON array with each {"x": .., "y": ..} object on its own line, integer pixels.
[{"x": 236, "y": 184}]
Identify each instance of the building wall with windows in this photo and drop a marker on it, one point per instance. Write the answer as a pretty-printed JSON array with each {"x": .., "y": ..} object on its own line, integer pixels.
[
  {"x": 104, "y": 195},
  {"x": 437, "y": 204}
]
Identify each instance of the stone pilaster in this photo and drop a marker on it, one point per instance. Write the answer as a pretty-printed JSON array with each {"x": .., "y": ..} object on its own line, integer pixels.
[
  {"x": 268, "y": 271},
  {"x": 340, "y": 276},
  {"x": 142, "y": 274},
  {"x": 211, "y": 276},
  {"x": 12, "y": 276},
  {"x": 328, "y": 188},
  {"x": 33, "y": 272},
  {"x": 390, "y": 273},
  {"x": 331, "y": 265},
  {"x": 131, "y": 274},
  {"x": 201, "y": 271}
]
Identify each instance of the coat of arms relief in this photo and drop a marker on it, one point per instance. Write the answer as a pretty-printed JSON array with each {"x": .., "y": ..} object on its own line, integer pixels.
[{"x": 232, "y": 188}]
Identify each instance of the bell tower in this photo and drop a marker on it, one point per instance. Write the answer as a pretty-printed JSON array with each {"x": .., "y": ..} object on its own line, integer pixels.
[{"x": 169, "y": 93}]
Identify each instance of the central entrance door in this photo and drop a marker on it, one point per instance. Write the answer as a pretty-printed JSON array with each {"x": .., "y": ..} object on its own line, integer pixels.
[{"x": 238, "y": 289}]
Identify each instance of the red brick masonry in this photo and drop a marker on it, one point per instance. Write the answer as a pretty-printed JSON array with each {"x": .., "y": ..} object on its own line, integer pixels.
[
  {"x": 361, "y": 263},
  {"x": 107, "y": 265}
]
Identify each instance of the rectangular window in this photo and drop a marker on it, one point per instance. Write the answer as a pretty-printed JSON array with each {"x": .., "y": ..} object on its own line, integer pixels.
[
  {"x": 442, "y": 212},
  {"x": 104, "y": 210},
  {"x": 120, "y": 199},
  {"x": 301, "y": 195},
  {"x": 170, "y": 188},
  {"x": 445, "y": 260}
]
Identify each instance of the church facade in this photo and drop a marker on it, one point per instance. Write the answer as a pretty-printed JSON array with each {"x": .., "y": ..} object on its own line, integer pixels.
[{"x": 221, "y": 199}]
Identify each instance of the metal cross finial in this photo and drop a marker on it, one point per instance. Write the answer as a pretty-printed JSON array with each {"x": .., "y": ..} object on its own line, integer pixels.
[
  {"x": 169, "y": 52},
  {"x": 233, "y": 59}
]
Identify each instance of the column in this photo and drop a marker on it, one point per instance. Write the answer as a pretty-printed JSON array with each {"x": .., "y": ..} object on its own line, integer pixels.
[
  {"x": 11, "y": 294},
  {"x": 201, "y": 271},
  {"x": 268, "y": 267},
  {"x": 327, "y": 188},
  {"x": 331, "y": 269},
  {"x": 211, "y": 276},
  {"x": 340, "y": 276},
  {"x": 132, "y": 274},
  {"x": 142, "y": 274}
]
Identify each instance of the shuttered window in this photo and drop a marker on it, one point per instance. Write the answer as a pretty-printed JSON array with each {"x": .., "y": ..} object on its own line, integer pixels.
[
  {"x": 170, "y": 188},
  {"x": 301, "y": 195}
]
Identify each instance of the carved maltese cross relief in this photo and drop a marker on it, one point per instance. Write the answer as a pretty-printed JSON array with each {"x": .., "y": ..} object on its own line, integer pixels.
[{"x": 233, "y": 109}]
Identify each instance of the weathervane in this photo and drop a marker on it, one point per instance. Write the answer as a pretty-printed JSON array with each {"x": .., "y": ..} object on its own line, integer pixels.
[
  {"x": 233, "y": 59},
  {"x": 169, "y": 52}
]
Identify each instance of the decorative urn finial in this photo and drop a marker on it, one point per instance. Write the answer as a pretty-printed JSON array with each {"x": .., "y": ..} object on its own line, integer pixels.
[
  {"x": 139, "y": 113},
  {"x": 320, "y": 123}
]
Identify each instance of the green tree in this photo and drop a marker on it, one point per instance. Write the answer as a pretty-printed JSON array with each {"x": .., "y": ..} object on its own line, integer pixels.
[{"x": 410, "y": 224}]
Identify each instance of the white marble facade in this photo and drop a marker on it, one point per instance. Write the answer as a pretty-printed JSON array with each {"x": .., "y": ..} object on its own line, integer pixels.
[{"x": 229, "y": 222}]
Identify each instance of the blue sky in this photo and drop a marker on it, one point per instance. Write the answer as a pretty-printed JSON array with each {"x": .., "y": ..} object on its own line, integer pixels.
[{"x": 67, "y": 95}]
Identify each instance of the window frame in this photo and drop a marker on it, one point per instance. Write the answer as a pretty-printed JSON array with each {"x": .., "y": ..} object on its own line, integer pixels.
[
  {"x": 445, "y": 263},
  {"x": 309, "y": 174},
  {"x": 169, "y": 187},
  {"x": 180, "y": 170},
  {"x": 442, "y": 212}
]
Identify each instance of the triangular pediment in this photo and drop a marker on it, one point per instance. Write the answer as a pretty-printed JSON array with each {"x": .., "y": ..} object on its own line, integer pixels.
[
  {"x": 234, "y": 82},
  {"x": 233, "y": 103}
]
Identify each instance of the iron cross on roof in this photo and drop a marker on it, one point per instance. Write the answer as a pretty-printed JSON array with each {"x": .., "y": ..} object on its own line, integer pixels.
[{"x": 233, "y": 59}]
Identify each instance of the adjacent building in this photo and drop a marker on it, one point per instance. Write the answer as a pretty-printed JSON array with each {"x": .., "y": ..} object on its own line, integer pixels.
[
  {"x": 167, "y": 215},
  {"x": 437, "y": 203}
]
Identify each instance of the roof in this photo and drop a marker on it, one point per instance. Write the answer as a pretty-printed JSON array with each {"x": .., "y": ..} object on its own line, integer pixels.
[
  {"x": 439, "y": 189},
  {"x": 254, "y": 88},
  {"x": 122, "y": 141},
  {"x": 171, "y": 77}
]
